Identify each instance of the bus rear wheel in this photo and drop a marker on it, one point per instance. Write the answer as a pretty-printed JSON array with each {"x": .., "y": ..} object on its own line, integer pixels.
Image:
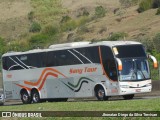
[
  {"x": 25, "y": 97},
  {"x": 100, "y": 94},
  {"x": 35, "y": 96},
  {"x": 128, "y": 97}
]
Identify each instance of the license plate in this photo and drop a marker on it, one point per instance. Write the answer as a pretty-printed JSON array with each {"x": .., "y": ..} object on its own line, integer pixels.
[{"x": 138, "y": 90}]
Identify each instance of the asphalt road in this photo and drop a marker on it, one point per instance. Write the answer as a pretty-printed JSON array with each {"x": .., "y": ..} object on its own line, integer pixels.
[{"x": 137, "y": 97}]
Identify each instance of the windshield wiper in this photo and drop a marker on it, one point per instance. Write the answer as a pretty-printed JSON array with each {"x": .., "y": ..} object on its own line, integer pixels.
[
  {"x": 133, "y": 72},
  {"x": 142, "y": 74}
]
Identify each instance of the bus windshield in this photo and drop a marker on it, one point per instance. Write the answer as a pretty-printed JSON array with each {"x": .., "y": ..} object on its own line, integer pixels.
[
  {"x": 130, "y": 51},
  {"x": 134, "y": 69}
]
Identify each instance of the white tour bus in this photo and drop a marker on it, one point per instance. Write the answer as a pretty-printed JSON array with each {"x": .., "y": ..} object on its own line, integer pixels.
[{"x": 77, "y": 70}]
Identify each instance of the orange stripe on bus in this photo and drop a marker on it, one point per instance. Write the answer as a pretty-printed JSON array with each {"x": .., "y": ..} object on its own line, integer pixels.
[
  {"x": 23, "y": 86},
  {"x": 44, "y": 79},
  {"x": 100, "y": 56},
  {"x": 39, "y": 80}
]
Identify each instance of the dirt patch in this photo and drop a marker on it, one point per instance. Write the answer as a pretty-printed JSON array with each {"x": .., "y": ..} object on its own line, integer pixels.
[
  {"x": 14, "y": 18},
  {"x": 75, "y": 5},
  {"x": 14, "y": 8}
]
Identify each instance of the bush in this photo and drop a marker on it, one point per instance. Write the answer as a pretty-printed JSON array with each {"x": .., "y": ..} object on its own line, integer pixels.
[
  {"x": 51, "y": 30},
  {"x": 100, "y": 11},
  {"x": 83, "y": 29},
  {"x": 85, "y": 13},
  {"x": 2, "y": 46},
  {"x": 147, "y": 42},
  {"x": 148, "y": 4},
  {"x": 17, "y": 45},
  {"x": 69, "y": 26},
  {"x": 117, "y": 36},
  {"x": 31, "y": 16},
  {"x": 120, "y": 13},
  {"x": 65, "y": 19},
  {"x": 83, "y": 20},
  {"x": 128, "y": 3},
  {"x": 38, "y": 40},
  {"x": 156, "y": 4},
  {"x": 156, "y": 42},
  {"x": 145, "y": 5},
  {"x": 158, "y": 11},
  {"x": 35, "y": 27}
]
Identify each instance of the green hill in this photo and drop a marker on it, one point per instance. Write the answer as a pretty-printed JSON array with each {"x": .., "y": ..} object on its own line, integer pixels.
[{"x": 27, "y": 24}]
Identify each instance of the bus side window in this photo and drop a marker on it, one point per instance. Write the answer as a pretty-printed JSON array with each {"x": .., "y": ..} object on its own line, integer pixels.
[
  {"x": 51, "y": 59},
  {"x": 64, "y": 57},
  {"x": 4, "y": 62},
  {"x": 88, "y": 54},
  {"x": 109, "y": 63}
]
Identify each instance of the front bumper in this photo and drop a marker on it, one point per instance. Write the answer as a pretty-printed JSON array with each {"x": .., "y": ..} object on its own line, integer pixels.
[{"x": 1, "y": 99}]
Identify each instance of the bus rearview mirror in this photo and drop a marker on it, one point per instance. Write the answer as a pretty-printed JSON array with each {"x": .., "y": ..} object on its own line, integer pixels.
[
  {"x": 119, "y": 64},
  {"x": 155, "y": 63}
]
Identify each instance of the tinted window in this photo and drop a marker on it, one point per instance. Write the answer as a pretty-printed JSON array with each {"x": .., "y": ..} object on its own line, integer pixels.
[
  {"x": 73, "y": 56},
  {"x": 4, "y": 63},
  {"x": 109, "y": 62},
  {"x": 34, "y": 60},
  {"x": 65, "y": 57},
  {"x": 88, "y": 54},
  {"x": 26, "y": 61},
  {"x": 9, "y": 63},
  {"x": 130, "y": 51},
  {"x": 61, "y": 58},
  {"x": 52, "y": 58}
]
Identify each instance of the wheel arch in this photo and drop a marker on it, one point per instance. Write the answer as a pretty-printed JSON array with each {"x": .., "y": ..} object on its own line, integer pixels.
[
  {"x": 36, "y": 89},
  {"x": 100, "y": 85},
  {"x": 23, "y": 89}
]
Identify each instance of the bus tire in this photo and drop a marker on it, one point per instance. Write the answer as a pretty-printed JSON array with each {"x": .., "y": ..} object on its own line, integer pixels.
[
  {"x": 35, "y": 96},
  {"x": 100, "y": 94},
  {"x": 1, "y": 104},
  {"x": 26, "y": 99},
  {"x": 128, "y": 97}
]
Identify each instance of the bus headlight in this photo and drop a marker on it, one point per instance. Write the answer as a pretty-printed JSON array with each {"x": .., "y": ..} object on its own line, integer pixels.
[{"x": 148, "y": 85}]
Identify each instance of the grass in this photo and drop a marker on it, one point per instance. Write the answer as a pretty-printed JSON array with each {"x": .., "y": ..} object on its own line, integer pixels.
[
  {"x": 47, "y": 11},
  {"x": 116, "y": 105}
]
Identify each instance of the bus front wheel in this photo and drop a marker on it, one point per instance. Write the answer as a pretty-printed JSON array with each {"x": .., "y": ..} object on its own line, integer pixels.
[
  {"x": 25, "y": 97},
  {"x": 35, "y": 96},
  {"x": 100, "y": 94},
  {"x": 128, "y": 97}
]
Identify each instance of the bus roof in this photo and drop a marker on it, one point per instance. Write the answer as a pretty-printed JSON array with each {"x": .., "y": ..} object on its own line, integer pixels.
[{"x": 73, "y": 45}]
